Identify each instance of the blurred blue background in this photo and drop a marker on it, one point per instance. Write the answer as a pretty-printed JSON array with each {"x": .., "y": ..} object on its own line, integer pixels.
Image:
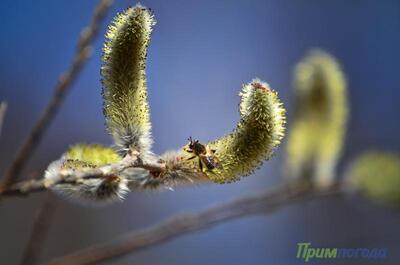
[{"x": 201, "y": 53}]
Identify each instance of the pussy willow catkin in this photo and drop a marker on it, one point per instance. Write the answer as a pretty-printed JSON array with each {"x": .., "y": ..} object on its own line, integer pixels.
[
  {"x": 255, "y": 138},
  {"x": 125, "y": 105},
  {"x": 319, "y": 123},
  {"x": 126, "y": 109}
]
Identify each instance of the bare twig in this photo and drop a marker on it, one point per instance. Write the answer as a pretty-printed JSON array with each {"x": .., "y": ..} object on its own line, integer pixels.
[
  {"x": 40, "y": 230},
  {"x": 60, "y": 91},
  {"x": 3, "y": 109},
  {"x": 44, "y": 218},
  {"x": 262, "y": 203}
]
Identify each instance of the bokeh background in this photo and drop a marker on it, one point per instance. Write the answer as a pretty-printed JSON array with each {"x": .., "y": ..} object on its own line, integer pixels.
[{"x": 201, "y": 53}]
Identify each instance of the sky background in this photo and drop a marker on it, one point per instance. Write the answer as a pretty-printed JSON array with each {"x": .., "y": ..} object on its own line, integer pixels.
[{"x": 201, "y": 52}]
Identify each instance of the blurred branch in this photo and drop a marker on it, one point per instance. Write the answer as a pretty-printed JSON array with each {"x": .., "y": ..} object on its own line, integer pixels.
[
  {"x": 3, "y": 109},
  {"x": 64, "y": 83},
  {"x": 44, "y": 218},
  {"x": 73, "y": 176},
  {"x": 262, "y": 203},
  {"x": 40, "y": 230}
]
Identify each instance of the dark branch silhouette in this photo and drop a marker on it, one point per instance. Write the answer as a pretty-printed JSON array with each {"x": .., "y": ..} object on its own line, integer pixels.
[
  {"x": 38, "y": 234},
  {"x": 3, "y": 110},
  {"x": 63, "y": 86},
  {"x": 40, "y": 230}
]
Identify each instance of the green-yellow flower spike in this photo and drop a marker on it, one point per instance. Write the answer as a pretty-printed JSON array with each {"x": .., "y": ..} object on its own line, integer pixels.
[
  {"x": 258, "y": 133},
  {"x": 318, "y": 128},
  {"x": 94, "y": 155},
  {"x": 81, "y": 157},
  {"x": 124, "y": 80},
  {"x": 377, "y": 175}
]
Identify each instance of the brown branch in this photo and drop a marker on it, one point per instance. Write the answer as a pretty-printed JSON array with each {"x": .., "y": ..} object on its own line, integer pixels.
[
  {"x": 3, "y": 109},
  {"x": 262, "y": 203},
  {"x": 60, "y": 91},
  {"x": 40, "y": 230},
  {"x": 44, "y": 218}
]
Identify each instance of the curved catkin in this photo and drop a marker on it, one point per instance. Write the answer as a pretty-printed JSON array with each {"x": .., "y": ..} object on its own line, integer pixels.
[
  {"x": 178, "y": 171},
  {"x": 258, "y": 133},
  {"x": 319, "y": 123},
  {"x": 377, "y": 176},
  {"x": 124, "y": 81}
]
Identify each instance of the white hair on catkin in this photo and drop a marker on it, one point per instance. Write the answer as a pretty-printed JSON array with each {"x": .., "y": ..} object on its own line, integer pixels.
[
  {"x": 91, "y": 191},
  {"x": 125, "y": 105}
]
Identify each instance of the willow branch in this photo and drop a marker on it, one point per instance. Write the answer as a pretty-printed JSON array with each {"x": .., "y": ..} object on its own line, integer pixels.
[
  {"x": 64, "y": 83},
  {"x": 27, "y": 187},
  {"x": 262, "y": 203},
  {"x": 3, "y": 109},
  {"x": 40, "y": 230},
  {"x": 43, "y": 220}
]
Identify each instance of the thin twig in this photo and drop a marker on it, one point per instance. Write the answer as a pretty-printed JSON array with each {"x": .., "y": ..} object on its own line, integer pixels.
[
  {"x": 60, "y": 91},
  {"x": 42, "y": 222},
  {"x": 40, "y": 230},
  {"x": 3, "y": 109},
  {"x": 262, "y": 203}
]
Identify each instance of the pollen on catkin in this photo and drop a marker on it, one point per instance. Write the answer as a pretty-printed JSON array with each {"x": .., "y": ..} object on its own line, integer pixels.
[
  {"x": 93, "y": 154},
  {"x": 377, "y": 176},
  {"x": 255, "y": 138},
  {"x": 126, "y": 107},
  {"x": 318, "y": 127},
  {"x": 81, "y": 157}
]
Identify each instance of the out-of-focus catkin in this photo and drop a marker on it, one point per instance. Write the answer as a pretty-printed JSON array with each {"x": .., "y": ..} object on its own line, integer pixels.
[
  {"x": 377, "y": 176},
  {"x": 318, "y": 126}
]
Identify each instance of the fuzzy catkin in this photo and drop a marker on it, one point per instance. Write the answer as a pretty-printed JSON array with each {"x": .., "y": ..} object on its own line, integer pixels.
[
  {"x": 376, "y": 174},
  {"x": 125, "y": 105},
  {"x": 255, "y": 138},
  {"x": 316, "y": 136},
  {"x": 81, "y": 157},
  {"x": 93, "y": 154}
]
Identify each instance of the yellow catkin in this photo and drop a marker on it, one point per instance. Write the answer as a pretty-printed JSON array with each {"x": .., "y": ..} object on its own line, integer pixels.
[
  {"x": 377, "y": 175},
  {"x": 318, "y": 127},
  {"x": 258, "y": 133},
  {"x": 81, "y": 157},
  {"x": 124, "y": 80},
  {"x": 93, "y": 155}
]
